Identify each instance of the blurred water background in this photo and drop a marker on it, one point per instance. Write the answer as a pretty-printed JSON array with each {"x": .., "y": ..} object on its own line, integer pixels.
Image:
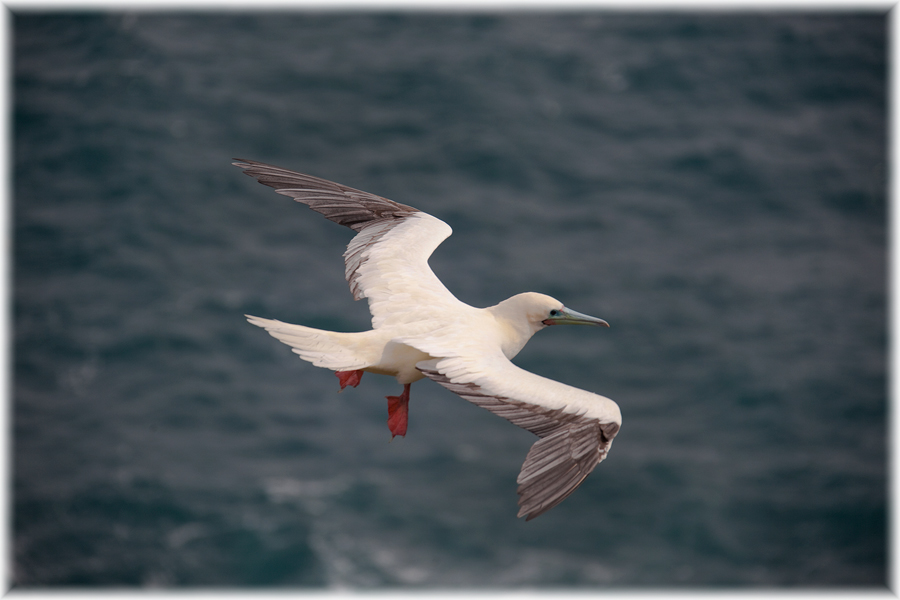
[{"x": 713, "y": 185}]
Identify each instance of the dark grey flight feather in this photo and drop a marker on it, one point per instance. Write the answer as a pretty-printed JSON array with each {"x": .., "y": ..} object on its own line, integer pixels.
[
  {"x": 569, "y": 449},
  {"x": 343, "y": 205},
  {"x": 369, "y": 215}
]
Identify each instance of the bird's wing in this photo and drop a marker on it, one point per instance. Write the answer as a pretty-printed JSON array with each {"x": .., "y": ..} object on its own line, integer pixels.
[
  {"x": 387, "y": 261},
  {"x": 576, "y": 428}
]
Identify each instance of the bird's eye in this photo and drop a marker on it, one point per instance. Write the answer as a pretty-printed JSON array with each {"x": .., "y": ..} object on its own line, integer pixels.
[{"x": 554, "y": 312}]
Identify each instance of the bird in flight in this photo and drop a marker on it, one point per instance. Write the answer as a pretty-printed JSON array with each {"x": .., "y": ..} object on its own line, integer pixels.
[{"x": 419, "y": 330}]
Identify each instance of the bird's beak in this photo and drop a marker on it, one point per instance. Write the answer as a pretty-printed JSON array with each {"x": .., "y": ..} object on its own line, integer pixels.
[{"x": 567, "y": 316}]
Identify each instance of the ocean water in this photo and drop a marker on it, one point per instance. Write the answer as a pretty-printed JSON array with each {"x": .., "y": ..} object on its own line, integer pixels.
[{"x": 713, "y": 185}]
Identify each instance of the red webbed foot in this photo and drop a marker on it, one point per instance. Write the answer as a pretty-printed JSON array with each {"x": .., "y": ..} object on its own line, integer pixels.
[
  {"x": 351, "y": 378},
  {"x": 398, "y": 412}
]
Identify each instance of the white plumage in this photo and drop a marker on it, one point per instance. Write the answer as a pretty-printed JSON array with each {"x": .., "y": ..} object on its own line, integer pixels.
[{"x": 419, "y": 329}]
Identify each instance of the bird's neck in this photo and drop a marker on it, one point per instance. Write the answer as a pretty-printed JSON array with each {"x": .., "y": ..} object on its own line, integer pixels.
[{"x": 513, "y": 330}]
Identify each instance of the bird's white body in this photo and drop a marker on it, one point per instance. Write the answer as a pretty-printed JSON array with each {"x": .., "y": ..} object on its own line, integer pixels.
[
  {"x": 396, "y": 350},
  {"x": 419, "y": 329}
]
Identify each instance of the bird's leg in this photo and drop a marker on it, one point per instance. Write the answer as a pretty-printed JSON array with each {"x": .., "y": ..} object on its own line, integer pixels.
[
  {"x": 351, "y": 378},
  {"x": 398, "y": 411}
]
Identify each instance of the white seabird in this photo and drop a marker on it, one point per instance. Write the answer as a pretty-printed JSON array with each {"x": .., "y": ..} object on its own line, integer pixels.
[{"x": 420, "y": 329}]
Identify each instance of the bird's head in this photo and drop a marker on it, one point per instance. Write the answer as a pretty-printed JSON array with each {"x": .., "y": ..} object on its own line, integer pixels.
[{"x": 542, "y": 311}]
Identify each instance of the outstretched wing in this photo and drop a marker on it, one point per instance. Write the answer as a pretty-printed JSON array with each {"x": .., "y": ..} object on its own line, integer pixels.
[
  {"x": 388, "y": 256},
  {"x": 576, "y": 428}
]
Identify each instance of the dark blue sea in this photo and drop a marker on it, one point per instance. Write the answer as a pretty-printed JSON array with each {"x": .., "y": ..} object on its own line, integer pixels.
[{"x": 712, "y": 184}]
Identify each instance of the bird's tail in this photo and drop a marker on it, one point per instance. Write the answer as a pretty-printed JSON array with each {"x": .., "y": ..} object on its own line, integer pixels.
[{"x": 329, "y": 349}]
